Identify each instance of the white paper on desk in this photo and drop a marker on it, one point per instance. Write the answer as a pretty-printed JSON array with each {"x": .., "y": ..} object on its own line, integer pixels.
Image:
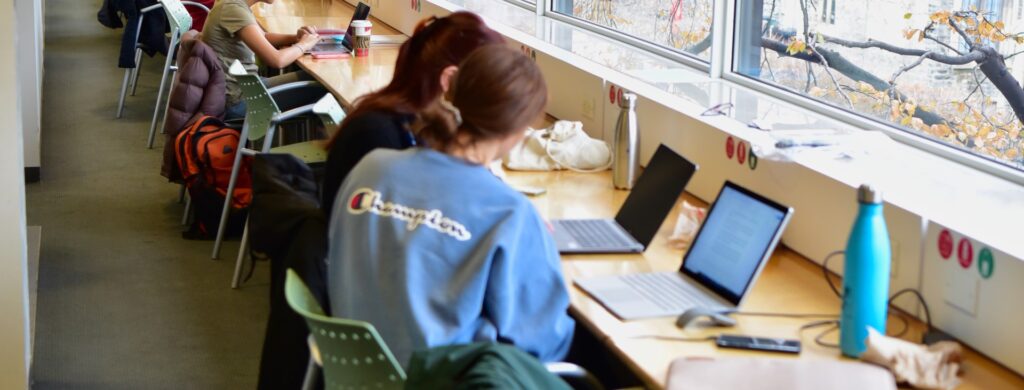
[
  {"x": 387, "y": 40},
  {"x": 842, "y": 144}
]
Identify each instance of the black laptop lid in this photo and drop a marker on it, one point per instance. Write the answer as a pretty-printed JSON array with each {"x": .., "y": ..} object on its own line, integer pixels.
[
  {"x": 362, "y": 13},
  {"x": 654, "y": 194}
]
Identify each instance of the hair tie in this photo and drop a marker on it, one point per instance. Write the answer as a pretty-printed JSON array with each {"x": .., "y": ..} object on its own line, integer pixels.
[{"x": 454, "y": 110}]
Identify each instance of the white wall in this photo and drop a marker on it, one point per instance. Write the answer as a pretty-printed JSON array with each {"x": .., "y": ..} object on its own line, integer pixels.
[
  {"x": 14, "y": 349},
  {"x": 30, "y": 75}
]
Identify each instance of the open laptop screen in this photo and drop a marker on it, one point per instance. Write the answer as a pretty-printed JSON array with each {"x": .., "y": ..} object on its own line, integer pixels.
[
  {"x": 654, "y": 194},
  {"x": 738, "y": 235}
]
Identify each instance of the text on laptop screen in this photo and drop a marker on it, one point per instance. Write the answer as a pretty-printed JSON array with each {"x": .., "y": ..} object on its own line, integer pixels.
[{"x": 733, "y": 241}]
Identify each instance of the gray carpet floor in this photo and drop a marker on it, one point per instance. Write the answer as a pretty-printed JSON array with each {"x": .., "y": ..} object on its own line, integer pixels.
[{"x": 124, "y": 302}]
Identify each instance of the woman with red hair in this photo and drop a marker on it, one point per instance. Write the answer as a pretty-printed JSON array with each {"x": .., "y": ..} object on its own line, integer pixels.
[{"x": 423, "y": 71}]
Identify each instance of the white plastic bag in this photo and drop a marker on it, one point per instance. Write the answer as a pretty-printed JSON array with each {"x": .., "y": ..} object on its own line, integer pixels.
[
  {"x": 564, "y": 146},
  {"x": 690, "y": 219}
]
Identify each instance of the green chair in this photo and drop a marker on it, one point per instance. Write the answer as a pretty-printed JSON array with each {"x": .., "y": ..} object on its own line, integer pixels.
[
  {"x": 351, "y": 353},
  {"x": 262, "y": 117},
  {"x": 180, "y": 22}
]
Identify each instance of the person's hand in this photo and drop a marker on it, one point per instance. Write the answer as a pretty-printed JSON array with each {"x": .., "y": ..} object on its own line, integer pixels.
[
  {"x": 305, "y": 30},
  {"x": 306, "y": 42}
]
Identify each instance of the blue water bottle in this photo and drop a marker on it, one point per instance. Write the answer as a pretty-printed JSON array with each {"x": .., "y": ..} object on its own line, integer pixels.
[{"x": 865, "y": 275}]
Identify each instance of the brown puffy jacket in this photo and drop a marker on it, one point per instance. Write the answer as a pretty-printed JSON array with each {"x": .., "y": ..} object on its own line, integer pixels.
[{"x": 198, "y": 90}]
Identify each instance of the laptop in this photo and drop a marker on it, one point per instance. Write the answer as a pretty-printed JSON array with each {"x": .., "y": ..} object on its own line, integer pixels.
[
  {"x": 732, "y": 246},
  {"x": 332, "y": 43},
  {"x": 646, "y": 207}
]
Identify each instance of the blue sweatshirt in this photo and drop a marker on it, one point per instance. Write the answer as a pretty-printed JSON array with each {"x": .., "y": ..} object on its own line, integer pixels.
[{"x": 433, "y": 250}]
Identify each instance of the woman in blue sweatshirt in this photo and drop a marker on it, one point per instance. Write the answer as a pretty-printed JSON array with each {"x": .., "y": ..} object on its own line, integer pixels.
[{"x": 431, "y": 248}]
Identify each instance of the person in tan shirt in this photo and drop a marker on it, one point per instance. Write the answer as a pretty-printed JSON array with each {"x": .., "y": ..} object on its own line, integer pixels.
[{"x": 231, "y": 30}]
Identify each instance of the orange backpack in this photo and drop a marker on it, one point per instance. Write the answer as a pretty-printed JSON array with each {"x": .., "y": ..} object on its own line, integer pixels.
[{"x": 206, "y": 152}]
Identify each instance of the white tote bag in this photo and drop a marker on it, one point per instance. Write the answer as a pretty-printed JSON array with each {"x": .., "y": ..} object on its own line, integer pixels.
[{"x": 564, "y": 146}]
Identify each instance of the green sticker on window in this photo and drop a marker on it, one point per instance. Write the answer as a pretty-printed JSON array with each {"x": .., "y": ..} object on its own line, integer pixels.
[
  {"x": 986, "y": 264},
  {"x": 752, "y": 160}
]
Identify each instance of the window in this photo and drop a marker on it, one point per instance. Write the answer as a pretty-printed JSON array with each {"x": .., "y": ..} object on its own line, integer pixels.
[
  {"x": 946, "y": 70},
  {"x": 682, "y": 25}
]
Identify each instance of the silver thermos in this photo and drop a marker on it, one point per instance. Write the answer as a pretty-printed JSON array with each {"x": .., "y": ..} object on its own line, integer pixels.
[{"x": 626, "y": 162}]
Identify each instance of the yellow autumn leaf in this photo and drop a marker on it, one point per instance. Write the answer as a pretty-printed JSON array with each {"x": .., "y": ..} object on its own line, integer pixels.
[
  {"x": 910, "y": 108},
  {"x": 817, "y": 91},
  {"x": 908, "y": 15},
  {"x": 905, "y": 121},
  {"x": 796, "y": 46},
  {"x": 865, "y": 87},
  {"x": 941, "y": 17},
  {"x": 1011, "y": 154},
  {"x": 984, "y": 130},
  {"x": 999, "y": 24}
]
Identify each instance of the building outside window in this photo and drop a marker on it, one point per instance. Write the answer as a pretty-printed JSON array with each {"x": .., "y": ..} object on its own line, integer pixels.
[{"x": 681, "y": 25}]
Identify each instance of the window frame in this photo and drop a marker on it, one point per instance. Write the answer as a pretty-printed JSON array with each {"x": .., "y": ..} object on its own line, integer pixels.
[{"x": 720, "y": 66}]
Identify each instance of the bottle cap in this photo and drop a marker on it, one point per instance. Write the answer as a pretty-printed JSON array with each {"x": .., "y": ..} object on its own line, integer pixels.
[
  {"x": 628, "y": 100},
  {"x": 869, "y": 194}
]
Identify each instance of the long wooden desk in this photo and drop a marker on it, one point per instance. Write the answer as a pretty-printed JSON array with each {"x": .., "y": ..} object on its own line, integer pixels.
[
  {"x": 789, "y": 283},
  {"x": 347, "y": 79}
]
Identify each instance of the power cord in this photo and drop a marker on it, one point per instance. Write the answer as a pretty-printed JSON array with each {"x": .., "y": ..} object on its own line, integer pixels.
[{"x": 906, "y": 325}]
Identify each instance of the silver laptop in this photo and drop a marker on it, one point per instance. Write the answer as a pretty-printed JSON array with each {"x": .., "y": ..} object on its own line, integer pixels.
[
  {"x": 646, "y": 207},
  {"x": 734, "y": 243}
]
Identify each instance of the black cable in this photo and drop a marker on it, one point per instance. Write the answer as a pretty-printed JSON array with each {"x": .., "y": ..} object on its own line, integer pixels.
[
  {"x": 823, "y": 334},
  {"x": 906, "y": 325},
  {"x": 824, "y": 271},
  {"x": 785, "y": 315},
  {"x": 920, "y": 298}
]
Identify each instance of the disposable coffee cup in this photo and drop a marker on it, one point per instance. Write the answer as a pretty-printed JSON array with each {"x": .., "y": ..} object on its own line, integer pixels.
[{"x": 361, "y": 37}]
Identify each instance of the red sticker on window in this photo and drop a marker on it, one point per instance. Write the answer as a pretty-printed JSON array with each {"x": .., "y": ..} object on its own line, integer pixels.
[
  {"x": 741, "y": 153},
  {"x": 730, "y": 147},
  {"x": 619, "y": 97},
  {"x": 611, "y": 94},
  {"x": 945, "y": 244},
  {"x": 965, "y": 252}
]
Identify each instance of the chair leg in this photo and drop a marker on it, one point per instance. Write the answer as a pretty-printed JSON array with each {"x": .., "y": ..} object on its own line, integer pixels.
[
  {"x": 227, "y": 198},
  {"x": 310, "y": 380},
  {"x": 188, "y": 211},
  {"x": 236, "y": 279},
  {"x": 167, "y": 105},
  {"x": 163, "y": 79},
  {"x": 124, "y": 90},
  {"x": 135, "y": 72}
]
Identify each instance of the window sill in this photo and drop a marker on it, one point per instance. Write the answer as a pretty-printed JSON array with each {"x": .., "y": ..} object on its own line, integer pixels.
[{"x": 973, "y": 202}]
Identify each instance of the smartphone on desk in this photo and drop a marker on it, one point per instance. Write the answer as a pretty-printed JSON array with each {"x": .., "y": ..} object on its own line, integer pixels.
[{"x": 758, "y": 343}]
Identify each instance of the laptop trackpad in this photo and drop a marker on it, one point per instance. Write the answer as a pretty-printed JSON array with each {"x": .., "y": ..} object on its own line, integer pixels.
[{"x": 619, "y": 298}]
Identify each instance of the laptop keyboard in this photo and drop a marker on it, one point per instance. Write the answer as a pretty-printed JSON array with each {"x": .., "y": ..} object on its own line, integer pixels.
[
  {"x": 595, "y": 233},
  {"x": 667, "y": 291}
]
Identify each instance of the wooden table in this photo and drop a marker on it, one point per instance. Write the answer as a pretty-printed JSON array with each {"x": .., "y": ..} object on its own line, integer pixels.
[
  {"x": 347, "y": 79},
  {"x": 789, "y": 283}
]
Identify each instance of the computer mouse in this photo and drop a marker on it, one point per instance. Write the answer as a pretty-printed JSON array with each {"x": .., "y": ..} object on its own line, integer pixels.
[{"x": 717, "y": 318}]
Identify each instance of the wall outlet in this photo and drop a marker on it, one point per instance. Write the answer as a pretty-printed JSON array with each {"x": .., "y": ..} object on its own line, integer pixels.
[
  {"x": 961, "y": 291},
  {"x": 589, "y": 111}
]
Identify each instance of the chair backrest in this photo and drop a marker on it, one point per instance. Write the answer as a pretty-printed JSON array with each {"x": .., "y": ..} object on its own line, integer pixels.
[
  {"x": 260, "y": 107},
  {"x": 329, "y": 112},
  {"x": 177, "y": 16},
  {"x": 352, "y": 353}
]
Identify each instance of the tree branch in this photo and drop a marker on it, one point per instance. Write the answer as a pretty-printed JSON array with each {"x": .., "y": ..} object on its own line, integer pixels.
[
  {"x": 845, "y": 67},
  {"x": 973, "y": 56}
]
